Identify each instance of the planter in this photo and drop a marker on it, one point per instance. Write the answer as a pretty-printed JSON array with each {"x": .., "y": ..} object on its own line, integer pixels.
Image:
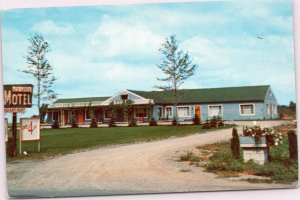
[{"x": 252, "y": 150}]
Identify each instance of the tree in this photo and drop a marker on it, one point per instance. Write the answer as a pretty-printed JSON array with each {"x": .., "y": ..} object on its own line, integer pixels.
[
  {"x": 235, "y": 144},
  {"x": 292, "y": 106},
  {"x": 43, "y": 112},
  {"x": 39, "y": 67},
  {"x": 176, "y": 65}
]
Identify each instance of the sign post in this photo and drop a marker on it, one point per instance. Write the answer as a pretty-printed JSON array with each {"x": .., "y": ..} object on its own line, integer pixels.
[
  {"x": 16, "y": 99},
  {"x": 30, "y": 131}
]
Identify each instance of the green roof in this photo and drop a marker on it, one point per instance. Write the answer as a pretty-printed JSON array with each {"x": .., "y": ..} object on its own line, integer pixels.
[
  {"x": 86, "y": 99},
  {"x": 211, "y": 95}
]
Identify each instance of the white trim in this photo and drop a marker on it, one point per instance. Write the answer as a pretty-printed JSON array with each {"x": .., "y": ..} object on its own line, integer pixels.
[
  {"x": 135, "y": 109},
  {"x": 184, "y": 107},
  {"x": 104, "y": 117},
  {"x": 85, "y": 114},
  {"x": 209, "y": 113},
  {"x": 162, "y": 111},
  {"x": 247, "y": 104},
  {"x": 53, "y": 115},
  {"x": 171, "y": 111},
  {"x": 119, "y": 93}
]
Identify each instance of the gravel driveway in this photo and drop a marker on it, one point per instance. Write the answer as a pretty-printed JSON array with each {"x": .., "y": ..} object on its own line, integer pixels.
[{"x": 134, "y": 168}]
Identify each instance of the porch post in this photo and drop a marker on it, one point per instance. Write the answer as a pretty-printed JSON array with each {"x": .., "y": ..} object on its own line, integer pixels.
[{"x": 62, "y": 117}]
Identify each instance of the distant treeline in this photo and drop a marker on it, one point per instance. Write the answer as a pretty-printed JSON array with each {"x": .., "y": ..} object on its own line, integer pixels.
[{"x": 287, "y": 112}]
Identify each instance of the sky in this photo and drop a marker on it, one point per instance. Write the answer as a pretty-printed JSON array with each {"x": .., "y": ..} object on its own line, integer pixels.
[{"x": 101, "y": 50}]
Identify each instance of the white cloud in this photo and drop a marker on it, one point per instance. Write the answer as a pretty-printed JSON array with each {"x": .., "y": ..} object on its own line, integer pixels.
[
  {"x": 114, "y": 37},
  {"x": 234, "y": 61},
  {"x": 50, "y": 27}
]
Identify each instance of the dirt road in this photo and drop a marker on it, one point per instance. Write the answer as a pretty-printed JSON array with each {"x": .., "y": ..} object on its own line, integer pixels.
[{"x": 135, "y": 168}]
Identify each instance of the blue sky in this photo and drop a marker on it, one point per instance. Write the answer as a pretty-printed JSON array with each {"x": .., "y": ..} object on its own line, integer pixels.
[{"x": 99, "y": 51}]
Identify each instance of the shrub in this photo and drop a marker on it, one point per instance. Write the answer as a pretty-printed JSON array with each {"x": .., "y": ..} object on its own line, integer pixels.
[
  {"x": 293, "y": 149},
  {"x": 235, "y": 144},
  {"x": 93, "y": 123},
  {"x": 220, "y": 121},
  {"x": 196, "y": 120},
  {"x": 174, "y": 122},
  {"x": 152, "y": 122},
  {"x": 207, "y": 124},
  {"x": 55, "y": 125},
  {"x": 132, "y": 122},
  {"x": 112, "y": 122},
  {"x": 214, "y": 122},
  {"x": 74, "y": 123}
]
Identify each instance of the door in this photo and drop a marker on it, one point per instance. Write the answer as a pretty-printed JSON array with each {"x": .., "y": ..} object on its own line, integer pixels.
[
  {"x": 198, "y": 111},
  {"x": 80, "y": 117}
]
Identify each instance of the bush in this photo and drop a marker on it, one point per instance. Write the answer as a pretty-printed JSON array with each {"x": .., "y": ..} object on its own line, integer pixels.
[
  {"x": 293, "y": 149},
  {"x": 152, "y": 122},
  {"x": 55, "y": 125},
  {"x": 93, "y": 123},
  {"x": 235, "y": 144},
  {"x": 132, "y": 122},
  {"x": 74, "y": 123},
  {"x": 174, "y": 122},
  {"x": 196, "y": 120},
  {"x": 112, "y": 122},
  {"x": 207, "y": 124}
]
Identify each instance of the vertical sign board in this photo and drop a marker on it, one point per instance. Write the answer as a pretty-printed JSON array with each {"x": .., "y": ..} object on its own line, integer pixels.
[
  {"x": 29, "y": 131},
  {"x": 6, "y": 129}
]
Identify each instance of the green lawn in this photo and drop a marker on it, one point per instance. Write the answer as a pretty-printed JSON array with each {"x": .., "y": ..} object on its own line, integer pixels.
[{"x": 62, "y": 141}]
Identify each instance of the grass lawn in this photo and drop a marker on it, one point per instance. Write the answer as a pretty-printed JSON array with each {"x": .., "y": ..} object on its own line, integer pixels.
[
  {"x": 217, "y": 158},
  {"x": 62, "y": 141}
]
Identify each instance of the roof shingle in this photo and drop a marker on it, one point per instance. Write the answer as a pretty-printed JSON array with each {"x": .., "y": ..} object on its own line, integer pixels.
[{"x": 209, "y": 95}]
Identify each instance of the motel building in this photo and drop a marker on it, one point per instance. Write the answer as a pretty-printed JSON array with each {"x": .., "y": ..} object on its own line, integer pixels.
[{"x": 230, "y": 103}]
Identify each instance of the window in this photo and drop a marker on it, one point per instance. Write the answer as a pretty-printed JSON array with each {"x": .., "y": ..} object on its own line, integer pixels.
[
  {"x": 183, "y": 111},
  {"x": 247, "y": 109},
  {"x": 107, "y": 114},
  {"x": 124, "y": 97},
  {"x": 87, "y": 114},
  {"x": 159, "y": 111},
  {"x": 215, "y": 110},
  {"x": 169, "y": 111},
  {"x": 270, "y": 94},
  {"x": 55, "y": 116},
  {"x": 140, "y": 112}
]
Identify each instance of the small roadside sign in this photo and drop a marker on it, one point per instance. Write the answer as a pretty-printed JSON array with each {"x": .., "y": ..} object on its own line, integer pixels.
[{"x": 30, "y": 129}]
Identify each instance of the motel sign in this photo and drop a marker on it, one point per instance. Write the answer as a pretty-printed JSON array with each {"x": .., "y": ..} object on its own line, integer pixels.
[{"x": 17, "y": 97}]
